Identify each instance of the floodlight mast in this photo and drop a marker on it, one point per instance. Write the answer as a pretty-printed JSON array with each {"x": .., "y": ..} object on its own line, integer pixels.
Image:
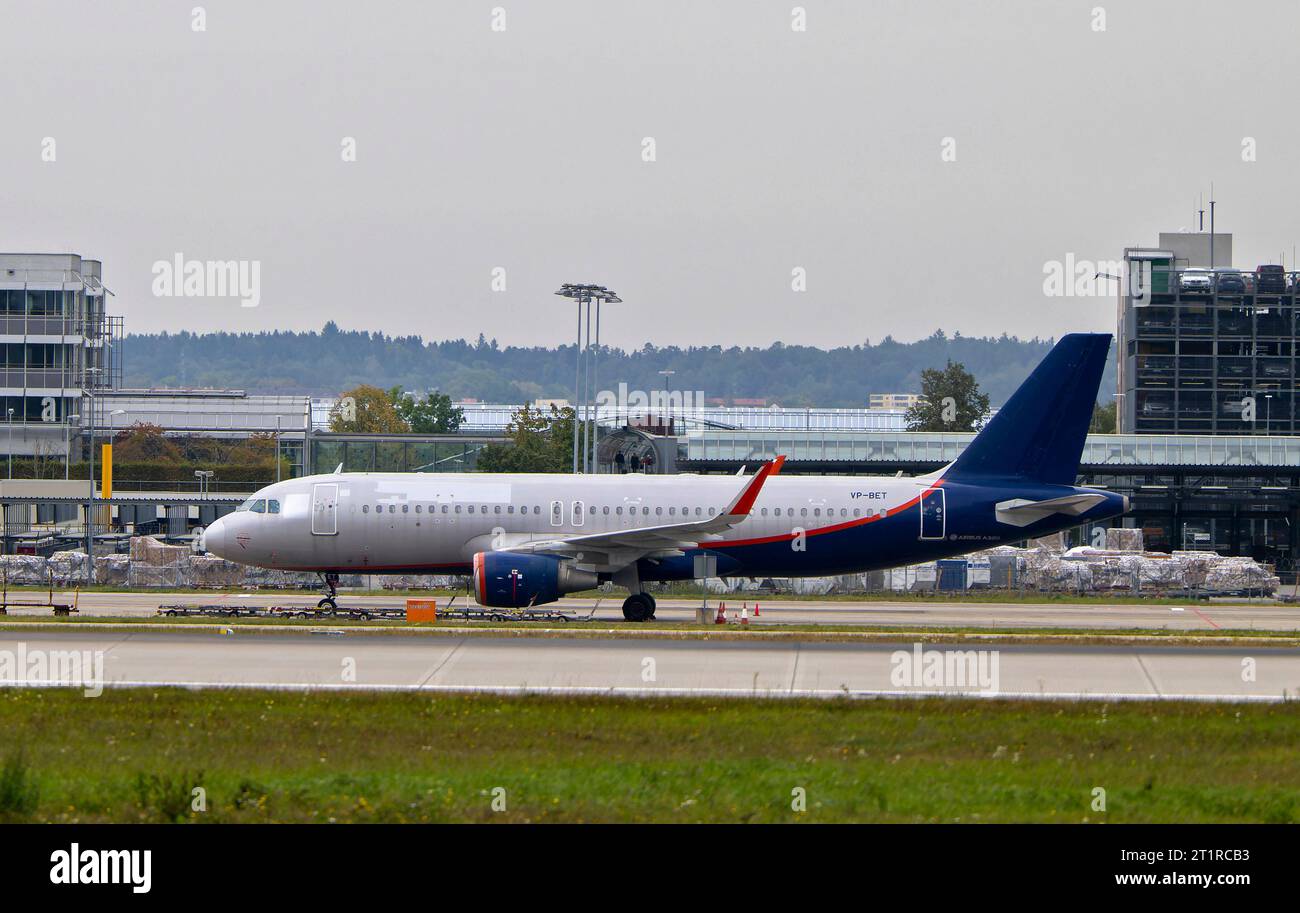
[{"x": 585, "y": 375}]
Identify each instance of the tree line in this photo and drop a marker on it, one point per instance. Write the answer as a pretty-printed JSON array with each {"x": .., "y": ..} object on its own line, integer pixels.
[{"x": 331, "y": 361}]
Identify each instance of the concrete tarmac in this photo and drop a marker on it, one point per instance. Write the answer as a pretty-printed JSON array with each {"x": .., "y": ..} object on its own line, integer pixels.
[
  {"x": 634, "y": 666},
  {"x": 911, "y": 613}
]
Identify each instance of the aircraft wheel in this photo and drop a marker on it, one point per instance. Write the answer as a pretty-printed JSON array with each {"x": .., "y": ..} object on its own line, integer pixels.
[
  {"x": 653, "y": 605},
  {"x": 327, "y": 603},
  {"x": 638, "y": 607}
]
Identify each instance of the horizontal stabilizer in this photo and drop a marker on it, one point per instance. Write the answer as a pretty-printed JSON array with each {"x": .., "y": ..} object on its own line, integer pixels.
[{"x": 1020, "y": 512}]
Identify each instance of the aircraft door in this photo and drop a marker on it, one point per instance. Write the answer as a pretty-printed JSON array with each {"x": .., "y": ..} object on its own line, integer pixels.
[
  {"x": 577, "y": 512},
  {"x": 325, "y": 509},
  {"x": 557, "y": 513},
  {"x": 933, "y": 515}
]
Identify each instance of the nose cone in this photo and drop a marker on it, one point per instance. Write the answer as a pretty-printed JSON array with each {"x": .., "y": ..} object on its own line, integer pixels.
[{"x": 214, "y": 538}]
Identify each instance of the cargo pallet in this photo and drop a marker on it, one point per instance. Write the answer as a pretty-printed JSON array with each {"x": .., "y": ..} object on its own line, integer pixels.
[
  {"x": 244, "y": 611},
  {"x": 369, "y": 613},
  {"x": 524, "y": 614}
]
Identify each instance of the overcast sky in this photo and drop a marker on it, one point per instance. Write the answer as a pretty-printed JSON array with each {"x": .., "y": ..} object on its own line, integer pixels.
[{"x": 523, "y": 149}]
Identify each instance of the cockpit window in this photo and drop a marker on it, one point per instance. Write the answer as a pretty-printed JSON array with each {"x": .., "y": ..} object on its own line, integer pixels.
[
  {"x": 272, "y": 506},
  {"x": 258, "y": 506}
]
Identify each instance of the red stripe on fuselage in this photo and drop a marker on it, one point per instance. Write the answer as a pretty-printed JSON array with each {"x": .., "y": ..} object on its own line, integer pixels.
[{"x": 786, "y": 537}]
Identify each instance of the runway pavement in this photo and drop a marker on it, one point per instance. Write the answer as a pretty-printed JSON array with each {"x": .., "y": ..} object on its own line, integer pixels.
[
  {"x": 938, "y": 613},
  {"x": 630, "y": 666}
]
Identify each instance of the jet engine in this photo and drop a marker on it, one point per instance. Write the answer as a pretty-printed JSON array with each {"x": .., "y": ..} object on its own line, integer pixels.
[{"x": 512, "y": 580}]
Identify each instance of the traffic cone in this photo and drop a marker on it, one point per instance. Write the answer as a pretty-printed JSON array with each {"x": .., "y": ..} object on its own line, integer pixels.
[
  {"x": 722, "y": 614},
  {"x": 744, "y": 614},
  {"x": 756, "y": 610}
]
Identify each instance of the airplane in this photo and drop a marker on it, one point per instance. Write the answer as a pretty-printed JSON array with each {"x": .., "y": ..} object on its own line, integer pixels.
[{"x": 527, "y": 539}]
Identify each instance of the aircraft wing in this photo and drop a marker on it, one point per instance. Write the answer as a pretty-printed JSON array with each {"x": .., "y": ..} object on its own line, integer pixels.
[
  {"x": 630, "y": 544},
  {"x": 1020, "y": 512}
]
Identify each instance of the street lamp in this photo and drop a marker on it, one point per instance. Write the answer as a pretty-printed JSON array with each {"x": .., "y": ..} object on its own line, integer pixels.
[
  {"x": 585, "y": 295},
  {"x": 11, "y": 443}
]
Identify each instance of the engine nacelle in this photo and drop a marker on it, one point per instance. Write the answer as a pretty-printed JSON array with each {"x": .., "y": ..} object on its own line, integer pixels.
[{"x": 510, "y": 580}]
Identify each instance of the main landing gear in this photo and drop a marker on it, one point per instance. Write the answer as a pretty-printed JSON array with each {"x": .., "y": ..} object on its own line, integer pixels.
[
  {"x": 330, "y": 582},
  {"x": 639, "y": 607}
]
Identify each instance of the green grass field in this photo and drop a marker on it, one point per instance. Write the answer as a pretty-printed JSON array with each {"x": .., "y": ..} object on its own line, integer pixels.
[{"x": 260, "y": 756}]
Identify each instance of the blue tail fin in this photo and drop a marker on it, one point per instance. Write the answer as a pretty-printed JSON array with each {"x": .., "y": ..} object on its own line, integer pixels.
[{"x": 1039, "y": 434}]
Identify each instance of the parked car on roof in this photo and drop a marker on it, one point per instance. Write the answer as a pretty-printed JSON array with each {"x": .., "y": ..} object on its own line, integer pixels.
[
  {"x": 1229, "y": 281},
  {"x": 1195, "y": 279},
  {"x": 1270, "y": 279}
]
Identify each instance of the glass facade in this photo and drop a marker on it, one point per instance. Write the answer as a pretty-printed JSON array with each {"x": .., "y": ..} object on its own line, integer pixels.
[
  {"x": 939, "y": 448},
  {"x": 396, "y": 453}
]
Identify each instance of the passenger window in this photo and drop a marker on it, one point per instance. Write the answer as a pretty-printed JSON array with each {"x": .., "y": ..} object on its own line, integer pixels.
[
  {"x": 697, "y": 511},
  {"x": 857, "y": 511},
  {"x": 672, "y": 511},
  {"x": 365, "y": 508},
  {"x": 406, "y": 508},
  {"x": 510, "y": 509},
  {"x": 712, "y": 511},
  {"x": 619, "y": 511},
  {"x": 763, "y": 512},
  {"x": 605, "y": 510},
  {"x": 496, "y": 508},
  {"x": 817, "y": 511},
  {"x": 803, "y": 511}
]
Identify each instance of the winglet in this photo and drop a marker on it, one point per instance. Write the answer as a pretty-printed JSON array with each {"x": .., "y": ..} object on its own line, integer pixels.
[{"x": 745, "y": 501}]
